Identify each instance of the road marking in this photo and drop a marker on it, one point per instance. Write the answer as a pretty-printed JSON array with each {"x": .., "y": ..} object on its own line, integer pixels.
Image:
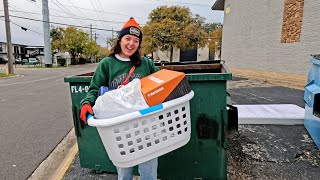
[{"x": 43, "y": 79}]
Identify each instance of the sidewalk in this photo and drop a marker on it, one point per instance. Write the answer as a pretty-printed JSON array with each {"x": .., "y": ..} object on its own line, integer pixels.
[
  {"x": 296, "y": 81},
  {"x": 290, "y": 80}
]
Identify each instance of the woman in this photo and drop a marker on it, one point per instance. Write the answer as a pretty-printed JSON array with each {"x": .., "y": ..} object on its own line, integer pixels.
[{"x": 112, "y": 72}]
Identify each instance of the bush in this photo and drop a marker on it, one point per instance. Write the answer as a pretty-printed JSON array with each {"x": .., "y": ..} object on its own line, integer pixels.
[
  {"x": 61, "y": 61},
  {"x": 74, "y": 61},
  {"x": 82, "y": 60}
]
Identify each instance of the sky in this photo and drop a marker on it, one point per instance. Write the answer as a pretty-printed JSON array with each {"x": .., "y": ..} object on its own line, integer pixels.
[{"x": 103, "y": 15}]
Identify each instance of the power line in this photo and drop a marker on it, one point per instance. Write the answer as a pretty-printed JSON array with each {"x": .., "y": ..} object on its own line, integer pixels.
[
  {"x": 23, "y": 28},
  {"x": 14, "y": 7},
  {"x": 77, "y": 9},
  {"x": 179, "y": 2},
  {"x": 63, "y": 10},
  {"x": 99, "y": 7},
  {"x": 11, "y": 6},
  {"x": 166, "y": 36},
  {"x": 103, "y": 11},
  {"x": 69, "y": 17},
  {"x": 60, "y": 23},
  {"x": 100, "y": 14},
  {"x": 34, "y": 3}
]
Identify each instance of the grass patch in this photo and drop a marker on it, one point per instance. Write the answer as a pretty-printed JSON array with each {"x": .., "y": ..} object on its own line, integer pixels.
[{"x": 4, "y": 75}]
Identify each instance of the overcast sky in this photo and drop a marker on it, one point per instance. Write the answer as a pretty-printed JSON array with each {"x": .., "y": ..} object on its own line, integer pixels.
[{"x": 102, "y": 14}]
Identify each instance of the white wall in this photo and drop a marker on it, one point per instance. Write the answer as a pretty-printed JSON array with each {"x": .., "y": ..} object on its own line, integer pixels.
[
  {"x": 203, "y": 54},
  {"x": 165, "y": 55},
  {"x": 66, "y": 55},
  {"x": 252, "y": 34}
]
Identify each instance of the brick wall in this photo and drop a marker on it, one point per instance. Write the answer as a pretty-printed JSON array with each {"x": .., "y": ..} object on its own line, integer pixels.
[{"x": 292, "y": 21}]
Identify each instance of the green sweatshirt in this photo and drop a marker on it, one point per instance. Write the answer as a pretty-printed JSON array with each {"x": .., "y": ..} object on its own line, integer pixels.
[{"x": 111, "y": 72}]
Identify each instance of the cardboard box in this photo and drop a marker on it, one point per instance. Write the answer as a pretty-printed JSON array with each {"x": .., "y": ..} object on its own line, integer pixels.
[{"x": 157, "y": 87}]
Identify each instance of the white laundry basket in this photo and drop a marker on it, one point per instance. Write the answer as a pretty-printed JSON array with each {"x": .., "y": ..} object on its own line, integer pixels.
[{"x": 146, "y": 134}]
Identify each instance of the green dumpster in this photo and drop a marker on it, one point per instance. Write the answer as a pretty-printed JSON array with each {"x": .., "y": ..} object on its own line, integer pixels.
[
  {"x": 204, "y": 157},
  {"x": 92, "y": 153}
]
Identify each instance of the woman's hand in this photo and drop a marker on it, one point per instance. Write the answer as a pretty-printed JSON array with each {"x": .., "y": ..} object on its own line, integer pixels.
[{"x": 85, "y": 109}]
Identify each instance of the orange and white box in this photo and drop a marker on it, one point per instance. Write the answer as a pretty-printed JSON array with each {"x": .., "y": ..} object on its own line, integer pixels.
[{"x": 157, "y": 87}]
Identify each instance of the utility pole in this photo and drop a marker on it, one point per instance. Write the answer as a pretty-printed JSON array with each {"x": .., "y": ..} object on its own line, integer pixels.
[
  {"x": 90, "y": 31},
  {"x": 8, "y": 34},
  {"x": 107, "y": 43},
  {"x": 95, "y": 40},
  {"x": 95, "y": 37},
  {"x": 112, "y": 33},
  {"x": 46, "y": 32}
]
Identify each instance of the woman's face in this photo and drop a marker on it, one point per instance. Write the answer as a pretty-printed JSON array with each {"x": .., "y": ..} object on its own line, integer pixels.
[{"x": 129, "y": 45}]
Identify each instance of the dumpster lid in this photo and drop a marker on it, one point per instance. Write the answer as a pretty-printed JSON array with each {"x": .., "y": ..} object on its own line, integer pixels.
[
  {"x": 79, "y": 78},
  {"x": 200, "y": 71}
]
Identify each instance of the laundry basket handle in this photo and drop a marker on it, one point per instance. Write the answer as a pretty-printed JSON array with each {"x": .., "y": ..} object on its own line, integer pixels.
[
  {"x": 137, "y": 114},
  {"x": 90, "y": 116}
]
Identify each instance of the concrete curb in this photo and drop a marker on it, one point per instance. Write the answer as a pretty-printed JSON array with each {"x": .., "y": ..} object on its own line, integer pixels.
[
  {"x": 58, "y": 161},
  {"x": 14, "y": 76},
  {"x": 63, "y": 168}
]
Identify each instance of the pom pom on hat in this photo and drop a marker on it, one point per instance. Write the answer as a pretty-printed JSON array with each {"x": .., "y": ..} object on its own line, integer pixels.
[
  {"x": 131, "y": 27},
  {"x": 131, "y": 22}
]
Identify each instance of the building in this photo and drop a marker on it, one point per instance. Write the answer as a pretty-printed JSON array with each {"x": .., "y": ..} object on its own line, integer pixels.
[
  {"x": 35, "y": 52},
  {"x": 200, "y": 54},
  {"x": 18, "y": 50},
  {"x": 271, "y": 35},
  {"x": 21, "y": 51}
]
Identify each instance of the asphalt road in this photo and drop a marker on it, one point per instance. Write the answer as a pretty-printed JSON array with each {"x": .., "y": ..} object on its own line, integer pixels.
[
  {"x": 248, "y": 91},
  {"x": 35, "y": 115}
]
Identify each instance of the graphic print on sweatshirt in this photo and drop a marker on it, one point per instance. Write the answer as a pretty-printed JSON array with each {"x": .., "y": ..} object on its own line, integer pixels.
[{"x": 118, "y": 81}]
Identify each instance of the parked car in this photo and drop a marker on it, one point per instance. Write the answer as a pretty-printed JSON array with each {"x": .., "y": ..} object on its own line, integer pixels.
[
  {"x": 30, "y": 61},
  {"x": 3, "y": 60},
  {"x": 17, "y": 61},
  {"x": 24, "y": 61},
  {"x": 34, "y": 61}
]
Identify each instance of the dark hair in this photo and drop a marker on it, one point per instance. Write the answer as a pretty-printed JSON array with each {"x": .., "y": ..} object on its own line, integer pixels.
[{"x": 135, "y": 57}]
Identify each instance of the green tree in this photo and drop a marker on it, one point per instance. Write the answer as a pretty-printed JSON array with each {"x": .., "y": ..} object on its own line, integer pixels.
[
  {"x": 74, "y": 41},
  {"x": 215, "y": 40},
  {"x": 90, "y": 49},
  {"x": 103, "y": 52},
  {"x": 209, "y": 27},
  {"x": 112, "y": 41},
  {"x": 173, "y": 26},
  {"x": 56, "y": 35}
]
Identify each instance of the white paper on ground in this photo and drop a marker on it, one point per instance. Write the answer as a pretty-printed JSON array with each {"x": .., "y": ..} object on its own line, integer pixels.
[{"x": 280, "y": 114}]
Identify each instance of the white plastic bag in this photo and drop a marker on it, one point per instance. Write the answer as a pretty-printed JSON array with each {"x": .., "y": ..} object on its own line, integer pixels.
[{"x": 120, "y": 101}]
